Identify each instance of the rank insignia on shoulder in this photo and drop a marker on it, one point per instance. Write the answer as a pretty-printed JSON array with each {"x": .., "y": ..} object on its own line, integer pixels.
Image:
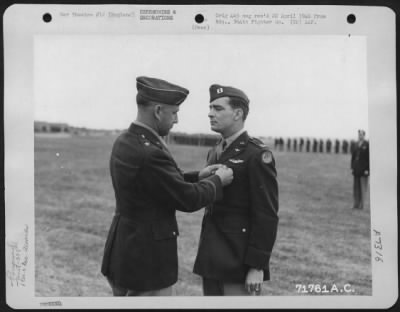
[
  {"x": 236, "y": 161},
  {"x": 266, "y": 157},
  {"x": 258, "y": 142}
]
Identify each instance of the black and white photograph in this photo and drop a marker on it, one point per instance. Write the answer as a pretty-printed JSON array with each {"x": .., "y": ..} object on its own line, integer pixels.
[{"x": 194, "y": 152}]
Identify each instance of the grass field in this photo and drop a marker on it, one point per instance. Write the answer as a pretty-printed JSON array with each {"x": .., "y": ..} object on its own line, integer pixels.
[{"x": 321, "y": 240}]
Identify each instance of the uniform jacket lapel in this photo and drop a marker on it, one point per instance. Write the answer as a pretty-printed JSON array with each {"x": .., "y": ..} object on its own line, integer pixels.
[
  {"x": 212, "y": 155},
  {"x": 235, "y": 148}
]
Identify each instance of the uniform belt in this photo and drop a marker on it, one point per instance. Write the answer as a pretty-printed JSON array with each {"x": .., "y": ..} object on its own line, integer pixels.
[
  {"x": 132, "y": 219},
  {"x": 143, "y": 222},
  {"x": 131, "y": 214},
  {"x": 211, "y": 211}
]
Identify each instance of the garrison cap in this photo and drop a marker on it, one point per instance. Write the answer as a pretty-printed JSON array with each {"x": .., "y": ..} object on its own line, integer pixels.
[
  {"x": 160, "y": 91},
  {"x": 218, "y": 91}
]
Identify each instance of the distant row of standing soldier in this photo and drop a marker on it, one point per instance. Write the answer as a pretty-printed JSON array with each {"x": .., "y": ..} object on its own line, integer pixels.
[{"x": 315, "y": 145}]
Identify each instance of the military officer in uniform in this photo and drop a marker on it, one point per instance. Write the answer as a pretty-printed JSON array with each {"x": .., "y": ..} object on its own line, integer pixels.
[
  {"x": 239, "y": 231},
  {"x": 288, "y": 144},
  {"x": 301, "y": 144},
  {"x": 295, "y": 145},
  {"x": 328, "y": 146},
  {"x": 345, "y": 146},
  {"x": 321, "y": 146},
  {"x": 337, "y": 146},
  {"x": 140, "y": 256},
  {"x": 360, "y": 170},
  {"x": 308, "y": 144},
  {"x": 281, "y": 144},
  {"x": 315, "y": 145}
]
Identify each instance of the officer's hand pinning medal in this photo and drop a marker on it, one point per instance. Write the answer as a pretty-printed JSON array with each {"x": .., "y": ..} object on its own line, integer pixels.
[
  {"x": 209, "y": 170},
  {"x": 226, "y": 175}
]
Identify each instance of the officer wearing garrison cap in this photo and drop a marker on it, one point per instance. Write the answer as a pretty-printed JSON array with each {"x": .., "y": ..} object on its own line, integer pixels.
[
  {"x": 140, "y": 255},
  {"x": 239, "y": 231}
]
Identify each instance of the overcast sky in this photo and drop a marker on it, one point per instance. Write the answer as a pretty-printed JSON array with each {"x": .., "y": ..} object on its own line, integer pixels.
[{"x": 312, "y": 86}]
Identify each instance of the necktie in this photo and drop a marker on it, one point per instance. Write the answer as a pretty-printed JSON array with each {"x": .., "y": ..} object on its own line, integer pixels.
[
  {"x": 224, "y": 145},
  {"x": 221, "y": 148}
]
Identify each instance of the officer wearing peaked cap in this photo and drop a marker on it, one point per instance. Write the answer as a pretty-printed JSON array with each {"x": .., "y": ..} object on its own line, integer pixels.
[
  {"x": 140, "y": 255},
  {"x": 239, "y": 231}
]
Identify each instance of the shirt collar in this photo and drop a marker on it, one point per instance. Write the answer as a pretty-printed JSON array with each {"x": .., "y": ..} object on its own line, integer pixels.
[{"x": 233, "y": 137}]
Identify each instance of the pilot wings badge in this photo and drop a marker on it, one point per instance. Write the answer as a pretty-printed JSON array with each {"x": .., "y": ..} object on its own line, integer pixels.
[{"x": 236, "y": 161}]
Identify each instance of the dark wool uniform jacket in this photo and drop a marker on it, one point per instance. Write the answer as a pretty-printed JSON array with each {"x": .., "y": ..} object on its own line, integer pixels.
[
  {"x": 360, "y": 159},
  {"x": 239, "y": 231},
  {"x": 141, "y": 248}
]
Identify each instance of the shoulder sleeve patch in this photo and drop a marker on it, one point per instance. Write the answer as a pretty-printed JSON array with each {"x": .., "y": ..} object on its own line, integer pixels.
[{"x": 266, "y": 157}]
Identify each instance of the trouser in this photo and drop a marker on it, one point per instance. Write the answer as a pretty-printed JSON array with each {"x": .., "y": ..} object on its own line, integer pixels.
[
  {"x": 219, "y": 288},
  {"x": 122, "y": 291},
  {"x": 360, "y": 187}
]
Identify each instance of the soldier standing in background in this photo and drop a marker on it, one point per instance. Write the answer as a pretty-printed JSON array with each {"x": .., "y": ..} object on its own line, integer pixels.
[
  {"x": 345, "y": 146},
  {"x": 281, "y": 144},
  {"x": 288, "y": 144},
  {"x": 321, "y": 146},
  {"x": 301, "y": 144},
  {"x": 308, "y": 143},
  {"x": 337, "y": 146},
  {"x": 315, "y": 145},
  {"x": 328, "y": 146},
  {"x": 360, "y": 170},
  {"x": 295, "y": 145},
  {"x": 276, "y": 143}
]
